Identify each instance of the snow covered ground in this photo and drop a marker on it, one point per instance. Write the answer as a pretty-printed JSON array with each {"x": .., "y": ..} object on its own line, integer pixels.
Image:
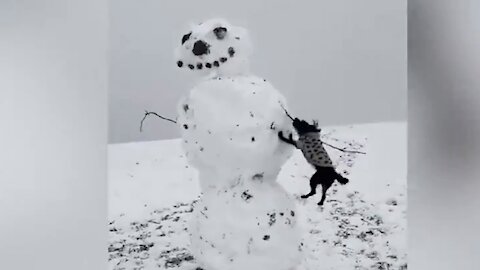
[{"x": 361, "y": 226}]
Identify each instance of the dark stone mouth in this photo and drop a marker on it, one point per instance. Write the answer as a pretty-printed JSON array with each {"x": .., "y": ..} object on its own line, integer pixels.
[
  {"x": 207, "y": 65},
  {"x": 203, "y": 65}
]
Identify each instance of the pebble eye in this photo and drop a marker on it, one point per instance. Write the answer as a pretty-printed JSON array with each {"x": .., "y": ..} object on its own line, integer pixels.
[
  {"x": 186, "y": 37},
  {"x": 220, "y": 32}
]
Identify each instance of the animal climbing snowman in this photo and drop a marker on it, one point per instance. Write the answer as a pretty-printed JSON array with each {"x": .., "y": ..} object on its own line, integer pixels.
[{"x": 229, "y": 122}]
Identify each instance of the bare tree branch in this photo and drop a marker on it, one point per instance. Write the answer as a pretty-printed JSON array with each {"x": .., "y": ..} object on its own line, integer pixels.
[
  {"x": 285, "y": 110},
  {"x": 147, "y": 113}
]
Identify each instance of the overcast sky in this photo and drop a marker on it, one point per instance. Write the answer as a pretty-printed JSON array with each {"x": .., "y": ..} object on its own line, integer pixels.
[{"x": 340, "y": 62}]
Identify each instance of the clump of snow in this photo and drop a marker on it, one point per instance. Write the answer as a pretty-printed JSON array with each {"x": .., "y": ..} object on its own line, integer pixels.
[
  {"x": 228, "y": 48},
  {"x": 229, "y": 124},
  {"x": 252, "y": 225},
  {"x": 244, "y": 217}
]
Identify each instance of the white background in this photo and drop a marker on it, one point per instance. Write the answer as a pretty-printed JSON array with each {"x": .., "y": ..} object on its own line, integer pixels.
[{"x": 53, "y": 115}]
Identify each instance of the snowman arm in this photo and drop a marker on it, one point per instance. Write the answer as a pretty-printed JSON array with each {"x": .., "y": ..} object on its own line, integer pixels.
[{"x": 289, "y": 140}]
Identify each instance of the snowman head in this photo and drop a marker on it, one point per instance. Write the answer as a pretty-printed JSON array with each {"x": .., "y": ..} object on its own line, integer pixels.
[{"x": 214, "y": 45}]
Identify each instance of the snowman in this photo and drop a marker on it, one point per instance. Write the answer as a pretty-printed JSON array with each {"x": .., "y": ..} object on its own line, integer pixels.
[{"x": 229, "y": 123}]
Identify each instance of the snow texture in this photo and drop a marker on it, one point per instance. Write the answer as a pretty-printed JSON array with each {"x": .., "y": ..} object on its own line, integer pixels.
[
  {"x": 229, "y": 123},
  {"x": 153, "y": 191}
]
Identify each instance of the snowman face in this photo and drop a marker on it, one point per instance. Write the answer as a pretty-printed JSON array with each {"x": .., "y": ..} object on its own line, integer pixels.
[{"x": 211, "y": 45}]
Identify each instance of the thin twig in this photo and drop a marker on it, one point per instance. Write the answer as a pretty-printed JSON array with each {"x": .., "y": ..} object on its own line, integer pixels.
[
  {"x": 285, "y": 110},
  {"x": 147, "y": 113},
  {"x": 344, "y": 150}
]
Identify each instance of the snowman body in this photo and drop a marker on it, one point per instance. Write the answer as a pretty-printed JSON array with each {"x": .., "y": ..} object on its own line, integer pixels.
[{"x": 244, "y": 219}]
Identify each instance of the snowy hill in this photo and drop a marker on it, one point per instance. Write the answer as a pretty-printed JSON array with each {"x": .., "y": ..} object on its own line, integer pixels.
[{"x": 362, "y": 224}]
